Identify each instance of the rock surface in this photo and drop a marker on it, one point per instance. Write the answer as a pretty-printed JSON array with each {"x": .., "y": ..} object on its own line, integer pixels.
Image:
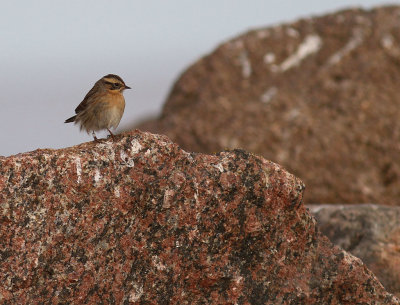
[
  {"x": 319, "y": 96},
  {"x": 140, "y": 221},
  {"x": 370, "y": 232}
]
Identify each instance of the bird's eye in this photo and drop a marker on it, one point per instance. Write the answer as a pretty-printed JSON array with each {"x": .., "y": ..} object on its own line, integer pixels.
[{"x": 116, "y": 85}]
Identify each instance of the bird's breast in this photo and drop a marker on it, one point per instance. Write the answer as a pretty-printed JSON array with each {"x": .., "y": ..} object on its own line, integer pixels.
[
  {"x": 117, "y": 101},
  {"x": 116, "y": 107}
]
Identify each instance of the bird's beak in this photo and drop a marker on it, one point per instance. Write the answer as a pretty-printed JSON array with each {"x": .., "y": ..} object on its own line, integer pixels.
[{"x": 126, "y": 87}]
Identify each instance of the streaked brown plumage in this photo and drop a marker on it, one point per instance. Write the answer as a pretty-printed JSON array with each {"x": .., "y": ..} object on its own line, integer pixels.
[{"x": 102, "y": 107}]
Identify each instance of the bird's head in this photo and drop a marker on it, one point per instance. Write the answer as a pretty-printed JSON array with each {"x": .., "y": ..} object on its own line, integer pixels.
[{"x": 114, "y": 83}]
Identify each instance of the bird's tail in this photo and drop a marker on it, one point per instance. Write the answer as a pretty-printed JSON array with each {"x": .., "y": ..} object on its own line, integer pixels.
[{"x": 71, "y": 119}]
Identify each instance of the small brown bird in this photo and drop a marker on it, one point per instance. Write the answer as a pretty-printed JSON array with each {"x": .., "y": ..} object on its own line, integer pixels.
[{"x": 102, "y": 107}]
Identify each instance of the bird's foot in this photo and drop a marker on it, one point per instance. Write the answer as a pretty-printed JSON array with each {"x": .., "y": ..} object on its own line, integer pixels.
[
  {"x": 111, "y": 134},
  {"x": 95, "y": 138}
]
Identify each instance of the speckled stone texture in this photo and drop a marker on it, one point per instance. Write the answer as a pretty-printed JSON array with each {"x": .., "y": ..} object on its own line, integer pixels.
[
  {"x": 319, "y": 96},
  {"x": 140, "y": 221},
  {"x": 370, "y": 232}
]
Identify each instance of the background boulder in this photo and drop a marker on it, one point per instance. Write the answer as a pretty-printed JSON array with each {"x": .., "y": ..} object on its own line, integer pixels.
[
  {"x": 370, "y": 232},
  {"x": 319, "y": 96}
]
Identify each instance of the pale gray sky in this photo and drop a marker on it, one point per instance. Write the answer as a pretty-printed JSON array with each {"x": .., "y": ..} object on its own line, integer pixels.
[{"x": 52, "y": 52}]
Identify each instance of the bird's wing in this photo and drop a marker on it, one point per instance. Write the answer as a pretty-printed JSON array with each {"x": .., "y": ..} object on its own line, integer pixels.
[{"x": 82, "y": 106}]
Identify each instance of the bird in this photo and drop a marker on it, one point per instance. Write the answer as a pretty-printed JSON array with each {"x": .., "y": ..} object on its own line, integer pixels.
[{"x": 102, "y": 107}]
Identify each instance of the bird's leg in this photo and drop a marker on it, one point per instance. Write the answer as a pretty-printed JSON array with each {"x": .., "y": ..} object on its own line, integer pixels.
[
  {"x": 111, "y": 134},
  {"x": 94, "y": 137}
]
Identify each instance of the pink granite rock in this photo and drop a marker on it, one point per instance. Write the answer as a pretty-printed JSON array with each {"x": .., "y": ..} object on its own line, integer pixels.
[{"x": 140, "y": 221}]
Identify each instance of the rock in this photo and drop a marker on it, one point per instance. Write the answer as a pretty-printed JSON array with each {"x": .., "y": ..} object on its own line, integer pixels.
[
  {"x": 370, "y": 232},
  {"x": 319, "y": 96},
  {"x": 140, "y": 221}
]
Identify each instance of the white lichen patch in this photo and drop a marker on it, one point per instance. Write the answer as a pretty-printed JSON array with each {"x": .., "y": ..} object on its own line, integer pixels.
[
  {"x": 97, "y": 175},
  {"x": 266, "y": 179},
  {"x": 353, "y": 43},
  {"x": 6, "y": 207},
  {"x": 157, "y": 263},
  {"x": 128, "y": 161},
  {"x": 268, "y": 95},
  {"x": 246, "y": 65},
  {"x": 136, "y": 146},
  {"x": 116, "y": 192},
  {"x": 238, "y": 279},
  {"x": 387, "y": 41},
  {"x": 293, "y": 114},
  {"x": 17, "y": 165},
  {"x": 196, "y": 193},
  {"x": 292, "y": 32},
  {"x": 311, "y": 44},
  {"x": 78, "y": 169},
  {"x": 219, "y": 166},
  {"x": 188, "y": 155},
  {"x": 269, "y": 58},
  {"x": 136, "y": 293}
]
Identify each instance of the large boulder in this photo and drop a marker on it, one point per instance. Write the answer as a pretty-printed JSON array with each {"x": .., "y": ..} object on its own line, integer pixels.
[
  {"x": 319, "y": 96},
  {"x": 141, "y": 221}
]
